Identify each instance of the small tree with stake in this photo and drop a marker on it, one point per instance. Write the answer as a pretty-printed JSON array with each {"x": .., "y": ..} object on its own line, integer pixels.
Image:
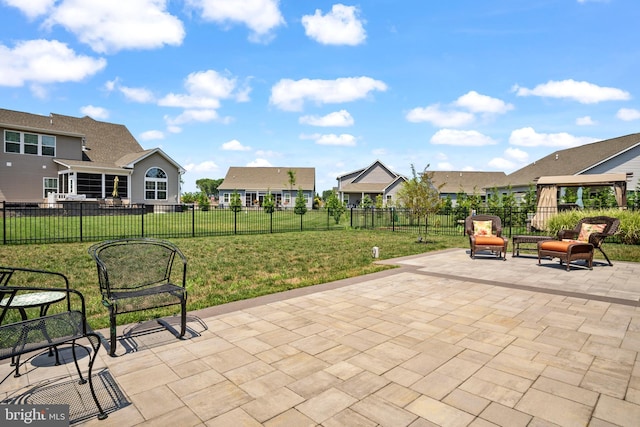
[
  {"x": 300, "y": 206},
  {"x": 420, "y": 195}
]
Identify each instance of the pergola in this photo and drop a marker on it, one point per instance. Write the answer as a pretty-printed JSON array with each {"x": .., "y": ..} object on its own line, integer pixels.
[{"x": 547, "y": 192}]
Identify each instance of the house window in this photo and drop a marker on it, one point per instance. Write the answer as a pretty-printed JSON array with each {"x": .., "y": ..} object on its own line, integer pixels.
[
  {"x": 11, "y": 142},
  {"x": 48, "y": 145},
  {"x": 155, "y": 184},
  {"x": 89, "y": 184},
  {"x": 29, "y": 143},
  {"x": 109, "y": 181},
  {"x": 226, "y": 198},
  {"x": 50, "y": 185},
  {"x": 287, "y": 198},
  {"x": 306, "y": 199}
]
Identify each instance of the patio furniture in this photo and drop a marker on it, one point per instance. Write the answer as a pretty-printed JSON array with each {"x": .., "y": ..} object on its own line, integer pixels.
[
  {"x": 593, "y": 230},
  {"x": 567, "y": 251},
  {"x": 66, "y": 326},
  {"x": 484, "y": 233},
  {"x": 516, "y": 241},
  {"x": 135, "y": 275}
]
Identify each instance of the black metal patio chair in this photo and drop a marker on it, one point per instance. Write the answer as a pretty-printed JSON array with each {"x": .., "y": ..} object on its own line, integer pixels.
[{"x": 136, "y": 275}]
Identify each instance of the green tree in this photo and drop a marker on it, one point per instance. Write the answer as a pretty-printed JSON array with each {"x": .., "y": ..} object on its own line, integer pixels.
[
  {"x": 366, "y": 202},
  {"x": 203, "y": 202},
  {"x": 570, "y": 195},
  {"x": 447, "y": 205},
  {"x": 188, "y": 197},
  {"x": 300, "y": 206},
  {"x": 209, "y": 186},
  {"x": 326, "y": 194},
  {"x": 379, "y": 201},
  {"x": 420, "y": 195},
  {"x": 235, "y": 203},
  {"x": 269, "y": 203},
  {"x": 529, "y": 199},
  {"x": 494, "y": 201},
  {"x": 335, "y": 206}
]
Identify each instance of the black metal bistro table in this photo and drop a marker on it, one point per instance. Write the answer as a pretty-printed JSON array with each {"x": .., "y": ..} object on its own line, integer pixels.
[{"x": 32, "y": 300}]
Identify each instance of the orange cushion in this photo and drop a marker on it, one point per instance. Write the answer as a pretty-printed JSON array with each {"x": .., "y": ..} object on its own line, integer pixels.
[
  {"x": 482, "y": 228},
  {"x": 489, "y": 240},
  {"x": 587, "y": 229},
  {"x": 556, "y": 245}
]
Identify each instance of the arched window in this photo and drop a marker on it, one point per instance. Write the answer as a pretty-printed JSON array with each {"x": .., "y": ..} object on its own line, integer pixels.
[{"x": 155, "y": 184}]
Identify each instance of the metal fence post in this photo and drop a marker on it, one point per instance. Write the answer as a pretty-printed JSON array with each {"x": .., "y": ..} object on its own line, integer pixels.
[
  {"x": 4, "y": 223},
  {"x": 81, "y": 225}
]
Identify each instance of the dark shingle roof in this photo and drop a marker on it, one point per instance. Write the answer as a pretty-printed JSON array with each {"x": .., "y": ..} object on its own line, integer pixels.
[
  {"x": 106, "y": 143},
  {"x": 572, "y": 161},
  {"x": 272, "y": 178},
  {"x": 468, "y": 181}
]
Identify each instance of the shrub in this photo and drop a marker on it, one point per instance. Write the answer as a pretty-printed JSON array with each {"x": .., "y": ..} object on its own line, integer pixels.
[{"x": 628, "y": 233}]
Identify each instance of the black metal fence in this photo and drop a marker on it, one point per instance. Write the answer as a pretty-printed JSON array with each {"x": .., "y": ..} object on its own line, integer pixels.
[{"x": 86, "y": 221}]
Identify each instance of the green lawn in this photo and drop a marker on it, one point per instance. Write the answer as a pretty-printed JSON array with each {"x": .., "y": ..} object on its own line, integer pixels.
[{"x": 229, "y": 268}]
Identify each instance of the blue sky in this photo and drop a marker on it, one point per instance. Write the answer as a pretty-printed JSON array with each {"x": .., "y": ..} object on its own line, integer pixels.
[{"x": 487, "y": 85}]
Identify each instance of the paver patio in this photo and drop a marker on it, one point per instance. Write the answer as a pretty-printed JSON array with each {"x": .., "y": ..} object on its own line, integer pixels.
[{"x": 442, "y": 340}]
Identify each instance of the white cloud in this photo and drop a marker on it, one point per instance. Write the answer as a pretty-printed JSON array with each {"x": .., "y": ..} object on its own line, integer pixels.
[
  {"x": 585, "y": 121},
  {"x": 528, "y": 137},
  {"x": 477, "y": 103},
  {"x": 434, "y": 115},
  {"x": 380, "y": 152},
  {"x": 583, "y": 92},
  {"x": 31, "y": 8},
  {"x": 206, "y": 166},
  {"x": 339, "y": 27},
  {"x": 97, "y": 113},
  {"x": 259, "y": 163},
  {"x": 261, "y": 16},
  {"x": 340, "y": 118},
  {"x": 44, "y": 61},
  {"x": 110, "y": 26},
  {"x": 235, "y": 145},
  {"x": 189, "y": 116},
  {"x": 290, "y": 95},
  {"x": 188, "y": 101},
  {"x": 628, "y": 114},
  {"x": 204, "y": 89},
  {"x": 151, "y": 135},
  {"x": 173, "y": 128},
  {"x": 444, "y": 166},
  {"x": 344, "y": 139},
  {"x": 516, "y": 154},
  {"x": 466, "y": 138},
  {"x": 211, "y": 84},
  {"x": 137, "y": 94}
]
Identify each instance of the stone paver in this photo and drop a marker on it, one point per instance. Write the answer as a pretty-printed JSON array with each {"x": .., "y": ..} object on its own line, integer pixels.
[{"x": 442, "y": 341}]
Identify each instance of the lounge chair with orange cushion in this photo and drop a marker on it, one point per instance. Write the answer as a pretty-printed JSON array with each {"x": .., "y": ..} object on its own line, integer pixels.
[
  {"x": 592, "y": 230},
  {"x": 485, "y": 234}
]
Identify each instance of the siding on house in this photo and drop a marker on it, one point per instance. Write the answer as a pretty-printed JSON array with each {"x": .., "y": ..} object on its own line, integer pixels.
[
  {"x": 83, "y": 146},
  {"x": 253, "y": 183}
]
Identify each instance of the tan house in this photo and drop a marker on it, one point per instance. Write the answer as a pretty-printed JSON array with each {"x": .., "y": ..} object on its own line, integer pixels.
[
  {"x": 376, "y": 179},
  {"x": 451, "y": 183},
  {"x": 611, "y": 156},
  {"x": 253, "y": 183},
  {"x": 56, "y": 158}
]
